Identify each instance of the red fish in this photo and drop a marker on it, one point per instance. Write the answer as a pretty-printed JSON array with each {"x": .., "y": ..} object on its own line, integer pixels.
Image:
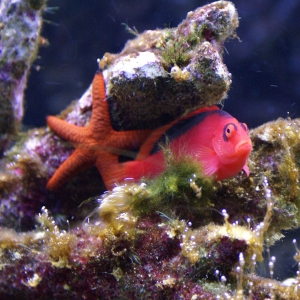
[{"x": 213, "y": 137}]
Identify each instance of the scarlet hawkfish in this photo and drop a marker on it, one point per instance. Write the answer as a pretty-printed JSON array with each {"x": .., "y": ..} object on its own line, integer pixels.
[{"x": 211, "y": 136}]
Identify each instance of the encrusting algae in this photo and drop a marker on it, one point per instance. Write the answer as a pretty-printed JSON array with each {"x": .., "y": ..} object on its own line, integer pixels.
[{"x": 179, "y": 235}]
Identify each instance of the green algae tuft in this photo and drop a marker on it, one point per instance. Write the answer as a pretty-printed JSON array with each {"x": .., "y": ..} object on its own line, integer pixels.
[{"x": 182, "y": 188}]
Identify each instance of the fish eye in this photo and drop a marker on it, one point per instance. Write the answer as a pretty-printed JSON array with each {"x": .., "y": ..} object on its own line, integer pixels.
[{"x": 229, "y": 130}]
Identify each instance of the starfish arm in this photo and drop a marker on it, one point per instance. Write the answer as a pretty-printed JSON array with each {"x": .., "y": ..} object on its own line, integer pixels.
[
  {"x": 69, "y": 132},
  {"x": 106, "y": 163},
  {"x": 131, "y": 139},
  {"x": 100, "y": 122},
  {"x": 77, "y": 162}
]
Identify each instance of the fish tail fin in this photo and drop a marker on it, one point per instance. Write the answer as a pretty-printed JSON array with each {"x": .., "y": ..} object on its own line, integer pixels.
[
  {"x": 117, "y": 174},
  {"x": 130, "y": 171}
]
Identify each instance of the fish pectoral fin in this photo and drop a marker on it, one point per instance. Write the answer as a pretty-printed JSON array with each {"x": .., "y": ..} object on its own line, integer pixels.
[
  {"x": 208, "y": 160},
  {"x": 209, "y": 169},
  {"x": 246, "y": 169}
]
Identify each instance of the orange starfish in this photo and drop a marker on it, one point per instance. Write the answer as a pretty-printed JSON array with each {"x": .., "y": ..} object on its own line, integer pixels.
[{"x": 97, "y": 143}]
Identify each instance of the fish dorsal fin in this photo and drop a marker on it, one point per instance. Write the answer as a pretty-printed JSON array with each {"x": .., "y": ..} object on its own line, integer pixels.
[
  {"x": 201, "y": 110},
  {"x": 146, "y": 148},
  {"x": 157, "y": 134}
]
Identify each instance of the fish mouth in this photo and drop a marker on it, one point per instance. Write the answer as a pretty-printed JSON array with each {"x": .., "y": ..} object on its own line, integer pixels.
[{"x": 243, "y": 147}]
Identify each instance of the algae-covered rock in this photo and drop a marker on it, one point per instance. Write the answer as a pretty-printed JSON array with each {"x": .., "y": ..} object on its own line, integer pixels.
[
  {"x": 20, "y": 25},
  {"x": 164, "y": 74}
]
